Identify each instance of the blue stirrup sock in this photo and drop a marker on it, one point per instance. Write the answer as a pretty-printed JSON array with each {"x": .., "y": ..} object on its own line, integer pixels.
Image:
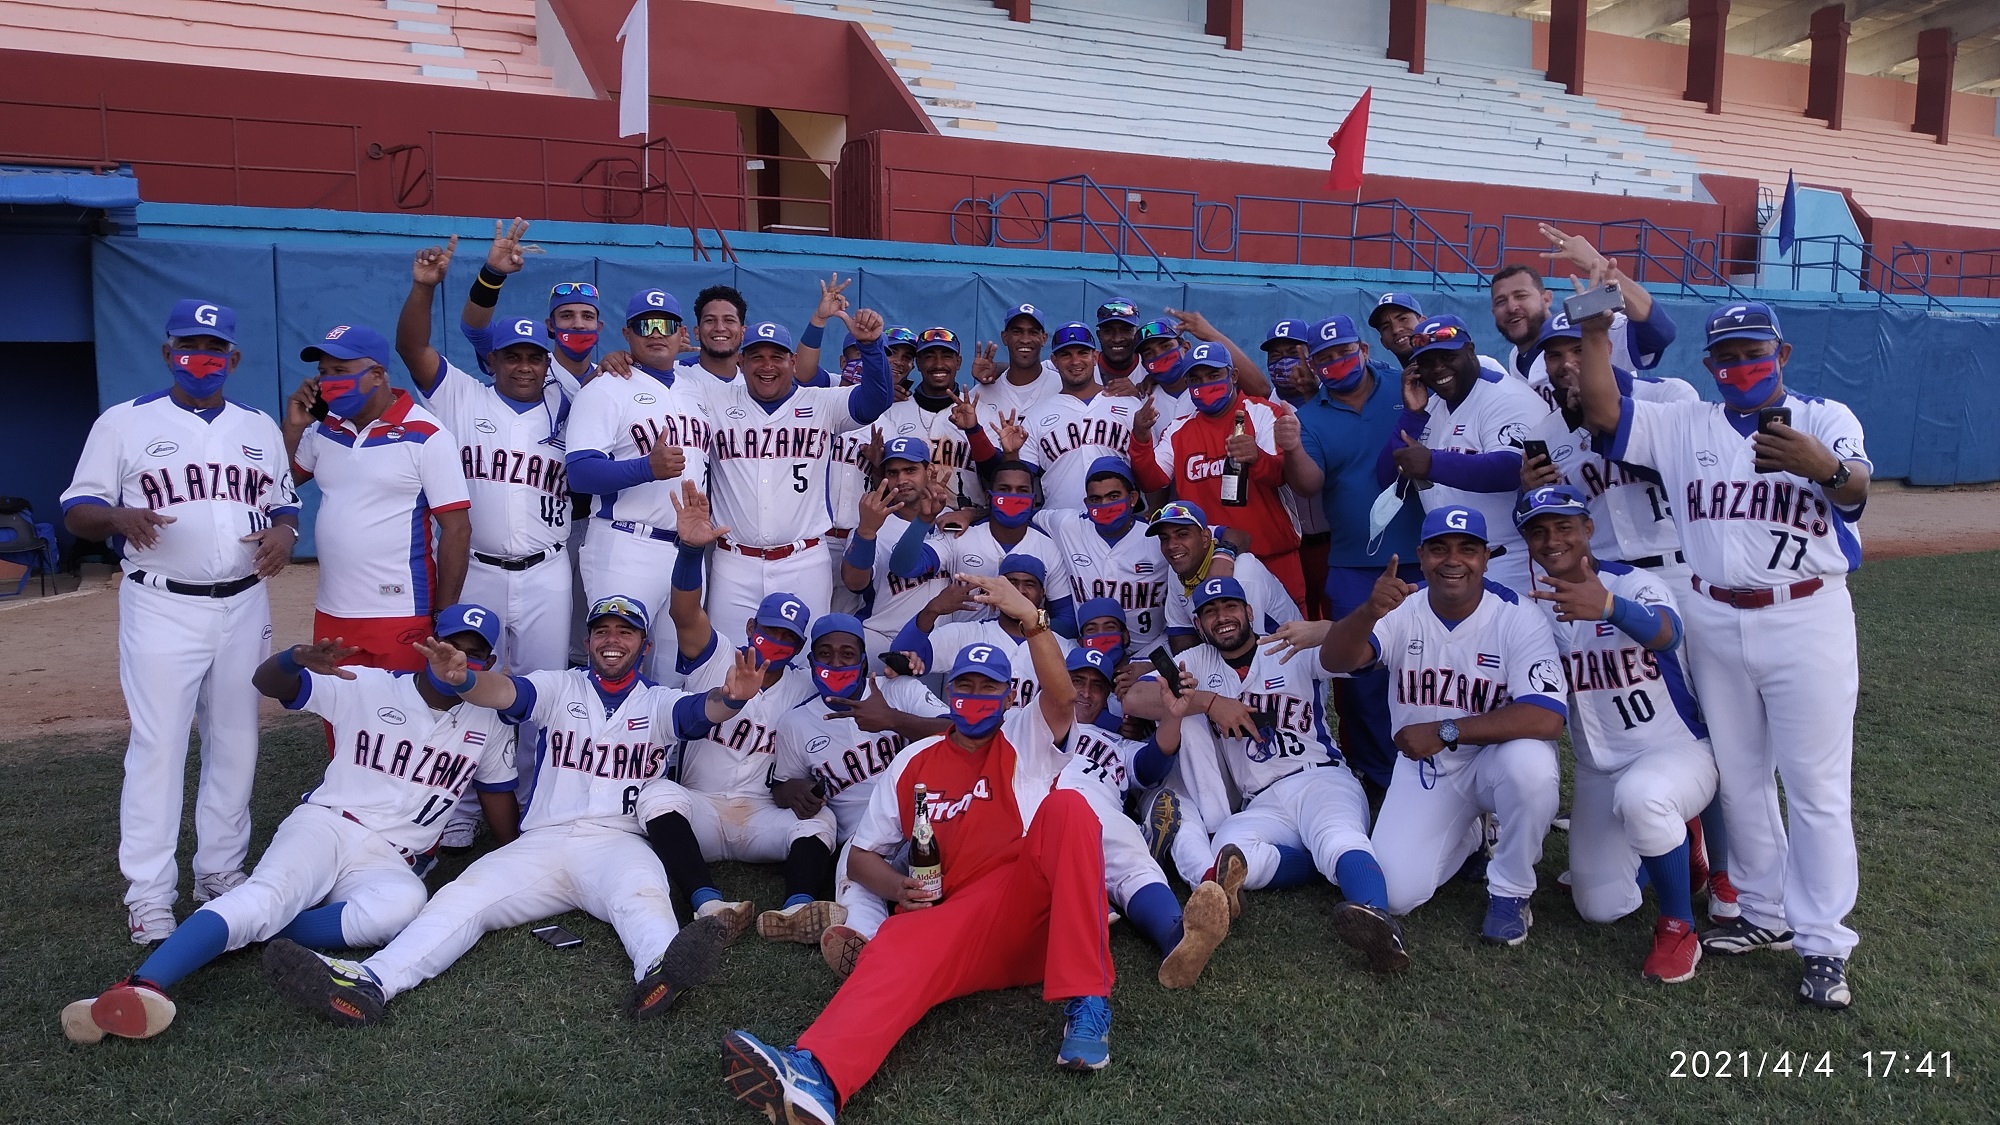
[
  {"x": 1295, "y": 868},
  {"x": 196, "y": 942},
  {"x": 1669, "y": 874},
  {"x": 318, "y": 928},
  {"x": 1360, "y": 879},
  {"x": 1156, "y": 913}
]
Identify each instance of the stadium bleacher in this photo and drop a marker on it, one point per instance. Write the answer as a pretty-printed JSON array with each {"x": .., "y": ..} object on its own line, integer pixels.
[
  {"x": 1155, "y": 84},
  {"x": 485, "y": 43}
]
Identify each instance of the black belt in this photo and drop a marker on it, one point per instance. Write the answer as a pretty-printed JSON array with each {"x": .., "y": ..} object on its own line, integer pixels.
[
  {"x": 522, "y": 563},
  {"x": 1652, "y": 561},
  {"x": 197, "y": 589}
]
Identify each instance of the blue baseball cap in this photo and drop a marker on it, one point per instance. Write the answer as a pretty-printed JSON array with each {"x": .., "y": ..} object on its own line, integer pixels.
[
  {"x": 1332, "y": 331},
  {"x": 1393, "y": 301},
  {"x": 1440, "y": 333},
  {"x": 194, "y": 317},
  {"x": 517, "y": 330},
  {"x": 986, "y": 659},
  {"x": 1288, "y": 330},
  {"x": 1553, "y": 499},
  {"x": 572, "y": 293},
  {"x": 1751, "y": 320},
  {"x": 1100, "y": 607},
  {"x": 1555, "y": 326},
  {"x": 1205, "y": 355},
  {"x": 630, "y": 610},
  {"x": 1118, "y": 310},
  {"x": 1093, "y": 659},
  {"x": 1021, "y": 563},
  {"x": 938, "y": 338},
  {"x": 1219, "y": 589},
  {"x": 1159, "y": 330},
  {"x": 837, "y": 623},
  {"x": 1453, "y": 520},
  {"x": 350, "y": 341},
  {"x": 766, "y": 332},
  {"x": 466, "y": 617},
  {"x": 898, "y": 334},
  {"x": 1108, "y": 465},
  {"x": 653, "y": 301},
  {"x": 906, "y": 449},
  {"x": 1186, "y": 513},
  {"x": 1029, "y": 311},
  {"x": 783, "y": 611},
  {"x": 1075, "y": 334}
]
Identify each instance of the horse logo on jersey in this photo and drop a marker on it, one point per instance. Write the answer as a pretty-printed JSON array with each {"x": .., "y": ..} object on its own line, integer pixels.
[
  {"x": 485, "y": 426},
  {"x": 1513, "y": 433},
  {"x": 1543, "y": 675},
  {"x": 576, "y": 711}
]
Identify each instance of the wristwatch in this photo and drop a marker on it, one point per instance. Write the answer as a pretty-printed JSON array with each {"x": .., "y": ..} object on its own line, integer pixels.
[
  {"x": 1448, "y": 732},
  {"x": 1839, "y": 478},
  {"x": 1039, "y": 625}
]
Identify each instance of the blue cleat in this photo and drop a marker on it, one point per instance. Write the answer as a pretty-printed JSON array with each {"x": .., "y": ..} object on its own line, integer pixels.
[
  {"x": 787, "y": 1086},
  {"x": 1507, "y": 920},
  {"x": 1086, "y": 1041}
]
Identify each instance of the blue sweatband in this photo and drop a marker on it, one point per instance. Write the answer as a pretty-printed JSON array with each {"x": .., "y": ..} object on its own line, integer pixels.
[
  {"x": 687, "y": 568},
  {"x": 286, "y": 663},
  {"x": 813, "y": 336},
  {"x": 450, "y": 689},
  {"x": 860, "y": 553},
  {"x": 1639, "y": 622}
]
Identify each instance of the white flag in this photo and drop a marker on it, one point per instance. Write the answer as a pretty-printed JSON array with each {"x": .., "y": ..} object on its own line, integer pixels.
[{"x": 635, "y": 82}]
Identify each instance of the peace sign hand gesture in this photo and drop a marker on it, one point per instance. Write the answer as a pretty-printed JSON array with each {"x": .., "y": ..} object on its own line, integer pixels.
[{"x": 1587, "y": 600}]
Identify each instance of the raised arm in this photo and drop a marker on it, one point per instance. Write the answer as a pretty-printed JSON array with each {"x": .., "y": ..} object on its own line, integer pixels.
[
  {"x": 413, "y": 325},
  {"x": 278, "y": 676},
  {"x": 503, "y": 260},
  {"x": 1250, "y": 375},
  {"x": 1603, "y": 405},
  {"x": 1349, "y": 645},
  {"x": 696, "y": 527},
  {"x": 1057, "y": 696}
]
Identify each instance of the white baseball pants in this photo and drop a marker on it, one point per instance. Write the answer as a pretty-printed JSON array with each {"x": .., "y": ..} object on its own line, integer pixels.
[
  {"x": 1128, "y": 865},
  {"x": 737, "y": 583},
  {"x": 1618, "y": 816},
  {"x": 866, "y": 911},
  {"x": 1423, "y": 835},
  {"x": 619, "y": 562},
  {"x": 1321, "y": 810},
  {"x": 319, "y": 857},
  {"x": 748, "y": 829}
]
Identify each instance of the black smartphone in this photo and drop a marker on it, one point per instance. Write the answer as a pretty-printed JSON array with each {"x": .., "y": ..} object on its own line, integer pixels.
[
  {"x": 318, "y": 408},
  {"x": 1531, "y": 449},
  {"x": 1772, "y": 414},
  {"x": 1593, "y": 302},
  {"x": 898, "y": 662},
  {"x": 556, "y": 937},
  {"x": 1170, "y": 673}
]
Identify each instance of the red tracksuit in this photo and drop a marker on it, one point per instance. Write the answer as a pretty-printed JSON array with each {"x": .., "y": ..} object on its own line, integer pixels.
[
  {"x": 1017, "y": 909},
  {"x": 1190, "y": 457}
]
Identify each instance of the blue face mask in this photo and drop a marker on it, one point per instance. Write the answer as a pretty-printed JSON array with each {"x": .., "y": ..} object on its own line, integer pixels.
[
  {"x": 200, "y": 374},
  {"x": 343, "y": 394},
  {"x": 838, "y": 681},
  {"x": 1746, "y": 384}
]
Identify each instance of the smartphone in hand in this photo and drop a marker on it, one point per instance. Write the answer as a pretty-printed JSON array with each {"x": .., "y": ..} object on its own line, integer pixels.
[{"x": 1772, "y": 414}]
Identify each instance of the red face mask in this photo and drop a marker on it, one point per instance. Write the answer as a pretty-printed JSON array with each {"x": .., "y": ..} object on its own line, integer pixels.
[
  {"x": 1107, "y": 515},
  {"x": 770, "y": 649},
  {"x": 1746, "y": 374},
  {"x": 1210, "y": 398},
  {"x": 837, "y": 681},
  {"x": 1011, "y": 509},
  {"x": 1165, "y": 362},
  {"x": 976, "y": 715},
  {"x": 1341, "y": 373},
  {"x": 574, "y": 344}
]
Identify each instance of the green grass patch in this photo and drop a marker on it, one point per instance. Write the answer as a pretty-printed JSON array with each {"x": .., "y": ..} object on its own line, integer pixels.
[{"x": 1284, "y": 1027}]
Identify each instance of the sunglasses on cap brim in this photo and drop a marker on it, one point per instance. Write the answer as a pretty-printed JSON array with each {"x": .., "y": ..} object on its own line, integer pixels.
[
  {"x": 582, "y": 289},
  {"x": 1443, "y": 335}
]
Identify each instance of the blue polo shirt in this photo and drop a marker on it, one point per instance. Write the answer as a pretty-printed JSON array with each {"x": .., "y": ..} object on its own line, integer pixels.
[{"x": 1345, "y": 443}]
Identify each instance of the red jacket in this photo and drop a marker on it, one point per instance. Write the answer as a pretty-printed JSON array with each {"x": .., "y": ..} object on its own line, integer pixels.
[{"x": 1190, "y": 456}]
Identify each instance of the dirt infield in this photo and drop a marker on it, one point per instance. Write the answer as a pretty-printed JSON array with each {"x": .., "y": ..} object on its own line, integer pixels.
[{"x": 59, "y": 655}]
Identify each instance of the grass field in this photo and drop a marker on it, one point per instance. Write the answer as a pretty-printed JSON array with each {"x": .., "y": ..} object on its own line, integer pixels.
[{"x": 1284, "y": 1027}]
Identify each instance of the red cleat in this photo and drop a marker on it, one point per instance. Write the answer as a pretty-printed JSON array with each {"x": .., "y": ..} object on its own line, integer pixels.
[
  {"x": 1676, "y": 951},
  {"x": 1722, "y": 897},
  {"x": 1697, "y": 859}
]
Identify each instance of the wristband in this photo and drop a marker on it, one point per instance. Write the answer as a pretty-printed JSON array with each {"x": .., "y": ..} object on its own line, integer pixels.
[
  {"x": 450, "y": 689},
  {"x": 484, "y": 295},
  {"x": 687, "y": 568},
  {"x": 1610, "y": 605},
  {"x": 287, "y": 663},
  {"x": 491, "y": 278},
  {"x": 1641, "y": 623},
  {"x": 813, "y": 336},
  {"x": 732, "y": 704},
  {"x": 860, "y": 553}
]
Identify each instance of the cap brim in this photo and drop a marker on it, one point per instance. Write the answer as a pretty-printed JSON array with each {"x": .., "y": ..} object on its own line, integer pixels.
[
  {"x": 778, "y": 344},
  {"x": 313, "y": 353},
  {"x": 1744, "y": 334},
  {"x": 1172, "y": 521},
  {"x": 1131, "y": 320}
]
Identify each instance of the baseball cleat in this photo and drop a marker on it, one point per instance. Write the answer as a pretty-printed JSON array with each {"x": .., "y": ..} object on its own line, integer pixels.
[
  {"x": 1676, "y": 951},
  {"x": 344, "y": 992},
  {"x": 77, "y": 1025},
  {"x": 1739, "y": 935},
  {"x": 1204, "y": 923},
  {"x": 802, "y": 923},
  {"x": 689, "y": 960},
  {"x": 1824, "y": 984},
  {"x": 459, "y": 832},
  {"x": 1372, "y": 931},
  {"x": 841, "y": 946},
  {"x": 1086, "y": 1043},
  {"x": 787, "y": 1086},
  {"x": 208, "y": 888},
  {"x": 1697, "y": 858},
  {"x": 1161, "y": 824},
  {"x": 150, "y": 922},
  {"x": 1507, "y": 920},
  {"x": 737, "y": 915},
  {"x": 131, "y": 1009},
  {"x": 1231, "y": 869},
  {"x": 1722, "y": 897}
]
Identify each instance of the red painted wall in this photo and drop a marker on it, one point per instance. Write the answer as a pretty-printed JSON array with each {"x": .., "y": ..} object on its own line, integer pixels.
[{"x": 215, "y": 135}]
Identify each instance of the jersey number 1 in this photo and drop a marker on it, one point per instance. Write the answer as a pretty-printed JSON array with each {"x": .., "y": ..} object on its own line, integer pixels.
[{"x": 437, "y": 806}]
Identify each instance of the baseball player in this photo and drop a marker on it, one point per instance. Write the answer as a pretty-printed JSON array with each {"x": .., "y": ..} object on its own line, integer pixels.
[
  {"x": 1191, "y": 455},
  {"x": 720, "y": 316},
  {"x": 1523, "y": 304},
  {"x": 774, "y": 444},
  {"x": 386, "y": 468},
  {"x": 1028, "y": 380},
  {"x": 573, "y": 322},
  {"x": 1767, "y": 506},
  {"x": 631, "y": 443},
  {"x": 338, "y": 872},
  {"x": 1023, "y": 889},
  {"x": 1006, "y": 530},
  {"x": 923, "y": 635},
  {"x": 1461, "y": 433},
  {"x": 606, "y": 733},
  {"x": 193, "y": 492},
  {"x": 1118, "y": 362},
  {"x": 1262, "y": 711},
  {"x": 1191, "y": 551},
  {"x": 1110, "y": 555},
  {"x": 1070, "y": 430},
  {"x": 1477, "y": 702},
  {"x": 906, "y": 487},
  {"x": 945, "y": 419},
  {"x": 1644, "y": 769},
  {"x": 1394, "y": 318},
  {"x": 830, "y": 750}
]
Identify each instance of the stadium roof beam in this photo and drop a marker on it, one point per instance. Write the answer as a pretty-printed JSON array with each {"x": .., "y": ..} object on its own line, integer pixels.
[
  {"x": 1788, "y": 25},
  {"x": 1977, "y": 68},
  {"x": 1887, "y": 49},
  {"x": 1500, "y": 7},
  {"x": 1639, "y": 17}
]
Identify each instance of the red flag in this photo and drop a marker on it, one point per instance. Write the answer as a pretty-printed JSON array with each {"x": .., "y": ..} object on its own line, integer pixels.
[{"x": 1349, "y": 144}]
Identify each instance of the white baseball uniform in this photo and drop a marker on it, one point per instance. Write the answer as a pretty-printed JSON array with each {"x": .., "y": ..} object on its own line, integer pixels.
[
  {"x": 630, "y": 547},
  {"x": 1272, "y": 605},
  {"x": 769, "y": 486},
  {"x": 1629, "y": 352},
  {"x": 1101, "y": 768},
  {"x": 1130, "y": 571},
  {"x": 723, "y": 784},
  {"x": 1778, "y": 684},
  {"x": 378, "y": 490},
  {"x": 950, "y": 637},
  {"x": 949, "y": 445},
  {"x": 1498, "y": 413},
  {"x": 846, "y": 479},
  {"x": 1066, "y": 434},
  {"x": 398, "y": 768},
  {"x": 220, "y": 475},
  {"x": 581, "y": 846},
  {"x": 896, "y": 600},
  {"x": 512, "y": 456},
  {"x": 1504, "y": 653},
  {"x": 1643, "y": 763},
  {"x": 1005, "y": 396},
  {"x": 976, "y": 550}
]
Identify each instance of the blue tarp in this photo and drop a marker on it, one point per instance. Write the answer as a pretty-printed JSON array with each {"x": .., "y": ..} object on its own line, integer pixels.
[{"x": 44, "y": 187}]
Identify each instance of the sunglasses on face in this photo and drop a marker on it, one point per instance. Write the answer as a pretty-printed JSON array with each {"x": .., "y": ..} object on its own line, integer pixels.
[
  {"x": 574, "y": 289},
  {"x": 1439, "y": 336},
  {"x": 654, "y": 325}
]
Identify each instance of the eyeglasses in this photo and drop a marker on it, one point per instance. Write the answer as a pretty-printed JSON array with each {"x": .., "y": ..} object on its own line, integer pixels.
[
  {"x": 1109, "y": 309},
  {"x": 937, "y": 336},
  {"x": 654, "y": 324},
  {"x": 573, "y": 289},
  {"x": 1438, "y": 336}
]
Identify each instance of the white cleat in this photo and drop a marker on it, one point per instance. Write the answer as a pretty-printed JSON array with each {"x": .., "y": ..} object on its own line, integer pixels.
[
  {"x": 208, "y": 888},
  {"x": 150, "y": 922}
]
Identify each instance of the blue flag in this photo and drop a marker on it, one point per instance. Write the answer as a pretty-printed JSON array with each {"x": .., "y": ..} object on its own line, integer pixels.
[{"x": 1788, "y": 215}]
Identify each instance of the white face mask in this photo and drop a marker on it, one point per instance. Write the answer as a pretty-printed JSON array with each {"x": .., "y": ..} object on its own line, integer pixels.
[{"x": 1382, "y": 513}]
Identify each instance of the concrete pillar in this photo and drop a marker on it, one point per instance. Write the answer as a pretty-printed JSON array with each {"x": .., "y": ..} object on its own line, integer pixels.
[
  {"x": 1937, "y": 57},
  {"x": 1225, "y": 18},
  {"x": 1708, "y": 23},
  {"x": 1566, "y": 38},
  {"x": 1406, "y": 32},
  {"x": 1826, "y": 85}
]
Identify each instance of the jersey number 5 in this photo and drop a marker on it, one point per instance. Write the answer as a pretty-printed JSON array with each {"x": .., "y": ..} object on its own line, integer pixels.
[{"x": 799, "y": 481}]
